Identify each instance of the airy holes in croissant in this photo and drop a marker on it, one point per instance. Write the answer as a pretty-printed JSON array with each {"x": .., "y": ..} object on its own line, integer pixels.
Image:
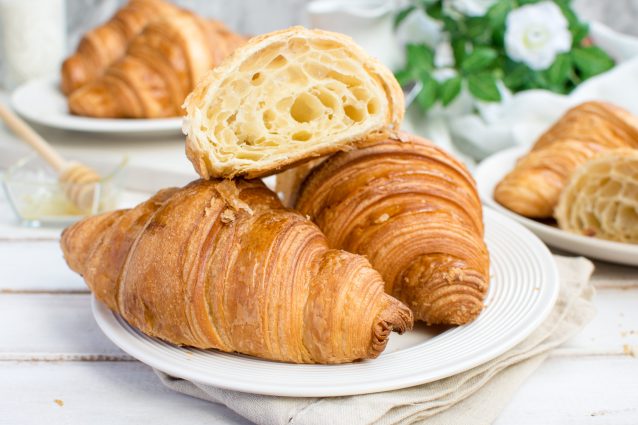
[
  {"x": 295, "y": 97},
  {"x": 302, "y": 136},
  {"x": 257, "y": 79},
  {"x": 306, "y": 108}
]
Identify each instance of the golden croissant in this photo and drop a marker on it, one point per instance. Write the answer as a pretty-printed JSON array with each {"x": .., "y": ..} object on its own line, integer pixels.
[
  {"x": 222, "y": 264},
  {"x": 534, "y": 186},
  {"x": 160, "y": 68},
  {"x": 284, "y": 98},
  {"x": 601, "y": 197},
  {"x": 107, "y": 43},
  {"x": 414, "y": 212}
]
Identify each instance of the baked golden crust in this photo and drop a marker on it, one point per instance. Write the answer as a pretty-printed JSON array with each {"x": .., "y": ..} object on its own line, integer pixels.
[
  {"x": 285, "y": 98},
  {"x": 414, "y": 212},
  {"x": 534, "y": 186},
  {"x": 601, "y": 197},
  {"x": 221, "y": 264},
  {"x": 102, "y": 46},
  {"x": 160, "y": 67}
]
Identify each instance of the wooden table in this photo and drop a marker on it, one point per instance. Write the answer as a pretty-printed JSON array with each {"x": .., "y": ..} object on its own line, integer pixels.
[{"x": 57, "y": 367}]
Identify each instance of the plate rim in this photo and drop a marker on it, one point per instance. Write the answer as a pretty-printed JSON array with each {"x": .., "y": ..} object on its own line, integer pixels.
[
  {"x": 129, "y": 343},
  {"x": 88, "y": 124},
  {"x": 483, "y": 174}
]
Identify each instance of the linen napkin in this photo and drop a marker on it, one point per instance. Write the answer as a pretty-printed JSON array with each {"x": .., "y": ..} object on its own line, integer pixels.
[{"x": 476, "y": 396}]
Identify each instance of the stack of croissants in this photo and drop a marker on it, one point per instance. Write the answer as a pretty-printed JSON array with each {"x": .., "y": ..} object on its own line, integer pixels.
[
  {"x": 144, "y": 61},
  {"x": 381, "y": 227},
  {"x": 583, "y": 171}
]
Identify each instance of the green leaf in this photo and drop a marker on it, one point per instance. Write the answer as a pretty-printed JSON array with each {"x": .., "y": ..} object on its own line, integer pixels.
[
  {"x": 483, "y": 86},
  {"x": 479, "y": 59},
  {"x": 497, "y": 14},
  {"x": 402, "y": 15},
  {"x": 449, "y": 90},
  {"x": 579, "y": 32},
  {"x": 427, "y": 96},
  {"x": 591, "y": 60},
  {"x": 579, "y": 29},
  {"x": 559, "y": 72},
  {"x": 478, "y": 29},
  {"x": 403, "y": 76},
  {"x": 459, "y": 50},
  {"x": 420, "y": 57},
  {"x": 434, "y": 10}
]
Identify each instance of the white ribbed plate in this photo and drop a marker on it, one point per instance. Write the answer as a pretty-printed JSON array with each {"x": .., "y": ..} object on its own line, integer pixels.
[
  {"x": 42, "y": 102},
  {"x": 492, "y": 170},
  {"x": 523, "y": 289}
]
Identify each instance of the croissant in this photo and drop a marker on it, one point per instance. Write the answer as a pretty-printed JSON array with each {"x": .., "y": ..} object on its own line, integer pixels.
[
  {"x": 414, "y": 212},
  {"x": 533, "y": 187},
  {"x": 601, "y": 197},
  {"x": 160, "y": 68},
  {"x": 107, "y": 43},
  {"x": 222, "y": 264},
  {"x": 284, "y": 98}
]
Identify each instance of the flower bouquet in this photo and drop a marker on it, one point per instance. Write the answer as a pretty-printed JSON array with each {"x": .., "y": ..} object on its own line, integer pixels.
[{"x": 470, "y": 63}]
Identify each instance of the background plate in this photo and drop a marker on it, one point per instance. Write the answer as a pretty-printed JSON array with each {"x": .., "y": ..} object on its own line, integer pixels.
[
  {"x": 41, "y": 102},
  {"x": 523, "y": 290},
  {"x": 491, "y": 170}
]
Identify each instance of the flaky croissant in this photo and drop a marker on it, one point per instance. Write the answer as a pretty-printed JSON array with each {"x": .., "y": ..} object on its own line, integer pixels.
[
  {"x": 414, "y": 212},
  {"x": 284, "y": 98},
  {"x": 107, "y": 43},
  {"x": 160, "y": 67},
  {"x": 601, "y": 197},
  {"x": 221, "y": 264},
  {"x": 533, "y": 187}
]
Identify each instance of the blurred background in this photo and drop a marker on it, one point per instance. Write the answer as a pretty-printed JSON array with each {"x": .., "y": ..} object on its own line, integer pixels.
[{"x": 259, "y": 16}]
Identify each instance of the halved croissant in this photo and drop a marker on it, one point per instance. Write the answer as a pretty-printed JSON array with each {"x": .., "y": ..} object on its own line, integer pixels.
[
  {"x": 221, "y": 264},
  {"x": 601, "y": 197},
  {"x": 533, "y": 187},
  {"x": 284, "y": 98},
  {"x": 414, "y": 212},
  {"x": 107, "y": 43},
  {"x": 160, "y": 68}
]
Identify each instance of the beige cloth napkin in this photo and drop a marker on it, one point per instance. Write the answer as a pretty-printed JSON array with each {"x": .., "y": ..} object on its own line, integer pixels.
[{"x": 476, "y": 396}]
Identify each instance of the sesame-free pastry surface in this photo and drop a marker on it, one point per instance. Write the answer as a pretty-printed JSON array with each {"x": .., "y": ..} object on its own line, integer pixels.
[
  {"x": 222, "y": 264},
  {"x": 414, "y": 212},
  {"x": 533, "y": 187},
  {"x": 285, "y": 98},
  {"x": 161, "y": 66},
  {"x": 107, "y": 43}
]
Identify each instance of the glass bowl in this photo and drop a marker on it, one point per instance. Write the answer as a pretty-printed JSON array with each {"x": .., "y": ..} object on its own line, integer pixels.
[{"x": 38, "y": 199}]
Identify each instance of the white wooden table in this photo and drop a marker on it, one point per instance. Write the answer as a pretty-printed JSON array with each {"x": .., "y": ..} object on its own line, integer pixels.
[{"x": 56, "y": 367}]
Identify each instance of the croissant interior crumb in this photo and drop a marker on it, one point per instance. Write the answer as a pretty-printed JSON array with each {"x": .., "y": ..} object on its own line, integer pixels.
[
  {"x": 286, "y": 100},
  {"x": 601, "y": 198}
]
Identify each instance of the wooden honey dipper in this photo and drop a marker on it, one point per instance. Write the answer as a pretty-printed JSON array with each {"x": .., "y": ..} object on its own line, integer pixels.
[{"x": 75, "y": 178}]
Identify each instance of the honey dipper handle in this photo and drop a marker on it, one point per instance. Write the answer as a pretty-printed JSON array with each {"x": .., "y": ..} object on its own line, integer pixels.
[{"x": 27, "y": 134}]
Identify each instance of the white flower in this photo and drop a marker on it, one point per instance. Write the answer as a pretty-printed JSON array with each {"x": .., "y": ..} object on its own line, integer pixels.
[
  {"x": 536, "y": 33},
  {"x": 418, "y": 27},
  {"x": 469, "y": 7}
]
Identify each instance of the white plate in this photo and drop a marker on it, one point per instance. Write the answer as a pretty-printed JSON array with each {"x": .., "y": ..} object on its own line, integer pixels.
[
  {"x": 42, "y": 102},
  {"x": 491, "y": 170},
  {"x": 523, "y": 290}
]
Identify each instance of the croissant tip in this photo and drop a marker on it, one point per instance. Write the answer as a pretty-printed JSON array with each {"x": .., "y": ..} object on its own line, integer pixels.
[{"x": 395, "y": 317}]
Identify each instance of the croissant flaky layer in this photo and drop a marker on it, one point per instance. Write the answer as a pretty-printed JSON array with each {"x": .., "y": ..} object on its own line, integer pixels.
[
  {"x": 107, "y": 43},
  {"x": 534, "y": 186},
  {"x": 601, "y": 198},
  {"x": 414, "y": 212},
  {"x": 284, "y": 98},
  {"x": 161, "y": 66},
  {"x": 221, "y": 264}
]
